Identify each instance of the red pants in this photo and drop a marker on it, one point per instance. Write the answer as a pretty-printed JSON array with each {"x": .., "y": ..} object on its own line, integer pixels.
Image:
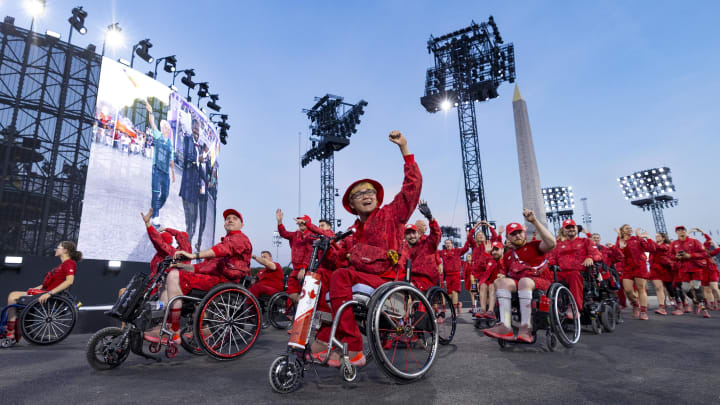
[
  {"x": 261, "y": 288},
  {"x": 341, "y": 283},
  {"x": 709, "y": 276},
  {"x": 574, "y": 280},
  {"x": 194, "y": 281},
  {"x": 686, "y": 277},
  {"x": 453, "y": 282},
  {"x": 293, "y": 282}
]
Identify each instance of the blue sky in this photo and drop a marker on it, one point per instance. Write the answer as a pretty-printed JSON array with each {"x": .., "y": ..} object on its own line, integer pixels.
[{"x": 612, "y": 87}]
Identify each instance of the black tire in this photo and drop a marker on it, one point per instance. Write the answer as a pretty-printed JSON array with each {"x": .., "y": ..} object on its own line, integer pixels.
[
  {"x": 596, "y": 326},
  {"x": 189, "y": 343},
  {"x": 551, "y": 341},
  {"x": 608, "y": 318},
  {"x": 285, "y": 376},
  {"x": 444, "y": 314},
  {"x": 48, "y": 323},
  {"x": 223, "y": 334},
  {"x": 398, "y": 315},
  {"x": 561, "y": 300},
  {"x": 100, "y": 352},
  {"x": 279, "y": 314},
  {"x": 502, "y": 343}
]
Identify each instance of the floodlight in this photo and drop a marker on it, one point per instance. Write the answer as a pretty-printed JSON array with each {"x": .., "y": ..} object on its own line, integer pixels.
[
  {"x": 35, "y": 8},
  {"x": 445, "y": 105},
  {"x": 78, "y": 20}
]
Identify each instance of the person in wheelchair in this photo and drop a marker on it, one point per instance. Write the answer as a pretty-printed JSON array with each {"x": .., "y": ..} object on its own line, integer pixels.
[
  {"x": 300, "y": 249},
  {"x": 370, "y": 255},
  {"x": 574, "y": 255},
  {"x": 485, "y": 275},
  {"x": 55, "y": 281},
  {"x": 421, "y": 252},
  {"x": 451, "y": 258},
  {"x": 269, "y": 279},
  {"x": 525, "y": 268},
  {"x": 228, "y": 261}
]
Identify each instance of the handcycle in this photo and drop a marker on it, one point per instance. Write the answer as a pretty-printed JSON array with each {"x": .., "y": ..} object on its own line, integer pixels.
[
  {"x": 401, "y": 330},
  {"x": 41, "y": 324},
  {"x": 223, "y": 322},
  {"x": 548, "y": 311},
  {"x": 601, "y": 309}
]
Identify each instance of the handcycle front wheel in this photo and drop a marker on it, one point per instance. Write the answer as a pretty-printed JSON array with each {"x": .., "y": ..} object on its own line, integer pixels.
[
  {"x": 105, "y": 349},
  {"x": 285, "y": 375}
]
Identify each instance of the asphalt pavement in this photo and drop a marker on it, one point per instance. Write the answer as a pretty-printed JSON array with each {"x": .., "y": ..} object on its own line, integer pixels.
[{"x": 666, "y": 360}]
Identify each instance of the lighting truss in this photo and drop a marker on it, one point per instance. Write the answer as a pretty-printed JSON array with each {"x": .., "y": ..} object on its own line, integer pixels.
[
  {"x": 559, "y": 204},
  {"x": 650, "y": 190}
]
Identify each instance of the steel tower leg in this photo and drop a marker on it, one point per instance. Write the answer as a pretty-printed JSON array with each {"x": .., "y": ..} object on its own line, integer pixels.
[
  {"x": 472, "y": 168},
  {"x": 658, "y": 218},
  {"x": 327, "y": 189}
]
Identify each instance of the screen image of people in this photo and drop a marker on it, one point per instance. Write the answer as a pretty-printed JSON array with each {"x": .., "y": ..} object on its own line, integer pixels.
[{"x": 150, "y": 149}]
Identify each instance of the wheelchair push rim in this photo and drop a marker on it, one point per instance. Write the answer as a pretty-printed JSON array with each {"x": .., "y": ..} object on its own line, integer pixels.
[
  {"x": 279, "y": 313},
  {"x": 567, "y": 330},
  {"x": 48, "y": 323},
  {"x": 444, "y": 314}
]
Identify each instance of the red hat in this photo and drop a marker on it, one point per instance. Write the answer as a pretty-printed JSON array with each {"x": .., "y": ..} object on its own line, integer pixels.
[
  {"x": 568, "y": 222},
  {"x": 410, "y": 227},
  {"x": 512, "y": 227},
  {"x": 498, "y": 245},
  {"x": 230, "y": 211},
  {"x": 167, "y": 237},
  {"x": 346, "y": 197},
  {"x": 305, "y": 218},
  {"x": 680, "y": 227}
]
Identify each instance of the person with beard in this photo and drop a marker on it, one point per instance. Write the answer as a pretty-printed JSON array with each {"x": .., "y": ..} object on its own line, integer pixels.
[{"x": 421, "y": 252}]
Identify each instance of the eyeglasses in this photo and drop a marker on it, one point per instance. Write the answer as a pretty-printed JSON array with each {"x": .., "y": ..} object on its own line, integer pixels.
[{"x": 360, "y": 194}]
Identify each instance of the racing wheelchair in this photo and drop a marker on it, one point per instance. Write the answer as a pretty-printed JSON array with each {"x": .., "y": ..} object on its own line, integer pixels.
[
  {"x": 41, "y": 324},
  {"x": 548, "y": 311},
  {"x": 402, "y": 334},
  {"x": 601, "y": 309},
  {"x": 223, "y": 322}
]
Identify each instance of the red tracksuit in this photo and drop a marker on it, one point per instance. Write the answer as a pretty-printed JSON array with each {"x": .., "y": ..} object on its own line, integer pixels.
[
  {"x": 569, "y": 255},
  {"x": 368, "y": 248},
  {"x": 452, "y": 264},
  {"x": 635, "y": 263},
  {"x": 661, "y": 263},
  {"x": 300, "y": 252},
  {"x": 689, "y": 269},
  {"x": 270, "y": 281},
  {"x": 422, "y": 255},
  {"x": 231, "y": 263},
  {"x": 163, "y": 248},
  {"x": 486, "y": 273},
  {"x": 710, "y": 274},
  {"x": 527, "y": 261}
]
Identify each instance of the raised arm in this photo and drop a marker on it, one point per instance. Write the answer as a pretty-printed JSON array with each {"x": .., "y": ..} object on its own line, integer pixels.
[
  {"x": 548, "y": 241},
  {"x": 406, "y": 200}
]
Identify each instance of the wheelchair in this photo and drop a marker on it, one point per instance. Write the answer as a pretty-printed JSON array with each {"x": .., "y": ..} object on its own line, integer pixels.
[
  {"x": 277, "y": 309},
  {"x": 601, "y": 308},
  {"x": 223, "y": 323},
  {"x": 444, "y": 313},
  {"x": 548, "y": 311},
  {"x": 402, "y": 334},
  {"x": 41, "y": 324}
]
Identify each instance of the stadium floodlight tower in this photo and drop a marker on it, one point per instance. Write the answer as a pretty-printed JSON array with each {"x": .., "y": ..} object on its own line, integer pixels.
[
  {"x": 332, "y": 122},
  {"x": 559, "y": 204},
  {"x": 650, "y": 190},
  {"x": 469, "y": 66}
]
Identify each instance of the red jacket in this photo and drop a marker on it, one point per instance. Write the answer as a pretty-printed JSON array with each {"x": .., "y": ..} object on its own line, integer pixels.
[
  {"x": 300, "y": 246},
  {"x": 698, "y": 257},
  {"x": 272, "y": 278},
  {"x": 383, "y": 231},
  {"x": 163, "y": 249},
  {"x": 661, "y": 257},
  {"x": 612, "y": 255},
  {"x": 525, "y": 261},
  {"x": 452, "y": 257},
  {"x": 635, "y": 252},
  {"x": 423, "y": 254},
  {"x": 570, "y": 254},
  {"x": 232, "y": 257},
  {"x": 489, "y": 270},
  {"x": 708, "y": 246}
]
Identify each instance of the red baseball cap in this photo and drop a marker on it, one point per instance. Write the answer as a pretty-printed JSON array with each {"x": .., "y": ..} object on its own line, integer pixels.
[
  {"x": 167, "y": 237},
  {"x": 498, "y": 245},
  {"x": 410, "y": 227},
  {"x": 231, "y": 211},
  {"x": 305, "y": 218},
  {"x": 568, "y": 222},
  {"x": 346, "y": 197},
  {"x": 680, "y": 227},
  {"x": 513, "y": 227}
]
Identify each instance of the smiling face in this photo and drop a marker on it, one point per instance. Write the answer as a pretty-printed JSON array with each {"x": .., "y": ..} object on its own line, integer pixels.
[
  {"x": 571, "y": 232},
  {"x": 496, "y": 253},
  {"x": 517, "y": 238},
  {"x": 411, "y": 237},
  {"x": 448, "y": 244},
  {"x": 364, "y": 200},
  {"x": 626, "y": 230},
  {"x": 595, "y": 238},
  {"x": 681, "y": 233}
]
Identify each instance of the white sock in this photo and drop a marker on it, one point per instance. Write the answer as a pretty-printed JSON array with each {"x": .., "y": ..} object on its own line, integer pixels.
[
  {"x": 503, "y": 297},
  {"x": 525, "y": 297}
]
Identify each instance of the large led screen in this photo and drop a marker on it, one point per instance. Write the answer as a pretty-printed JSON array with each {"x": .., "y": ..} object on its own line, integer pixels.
[{"x": 151, "y": 149}]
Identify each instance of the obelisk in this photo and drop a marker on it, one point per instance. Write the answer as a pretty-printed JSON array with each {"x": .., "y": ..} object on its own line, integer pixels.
[{"x": 529, "y": 175}]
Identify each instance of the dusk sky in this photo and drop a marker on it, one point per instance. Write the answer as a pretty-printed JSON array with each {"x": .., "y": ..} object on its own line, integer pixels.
[{"x": 612, "y": 87}]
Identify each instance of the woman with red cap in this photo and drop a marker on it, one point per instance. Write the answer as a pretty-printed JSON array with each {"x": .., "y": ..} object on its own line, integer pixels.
[
  {"x": 228, "y": 261},
  {"x": 372, "y": 251},
  {"x": 635, "y": 267}
]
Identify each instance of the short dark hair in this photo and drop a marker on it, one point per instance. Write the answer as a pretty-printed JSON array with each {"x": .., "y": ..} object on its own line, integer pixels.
[
  {"x": 266, "y": 251},
  {"x": 326, "y": 221}
]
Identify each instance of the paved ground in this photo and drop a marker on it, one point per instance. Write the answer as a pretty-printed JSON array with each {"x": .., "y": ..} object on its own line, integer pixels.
[{"x": 665, "y": 360}]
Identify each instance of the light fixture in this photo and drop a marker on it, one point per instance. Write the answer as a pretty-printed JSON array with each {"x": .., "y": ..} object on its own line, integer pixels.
[
  {"x": 13, "y": 262},
  {"x": 35, "y": 8},
  {"x": 114, "y": 265},
  {"x": 52, "y": 34},
  {"x": 78, "y": 20}
]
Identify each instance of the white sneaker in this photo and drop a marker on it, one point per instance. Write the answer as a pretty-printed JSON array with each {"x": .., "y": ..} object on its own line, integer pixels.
[{"x": 155, "y": 222}]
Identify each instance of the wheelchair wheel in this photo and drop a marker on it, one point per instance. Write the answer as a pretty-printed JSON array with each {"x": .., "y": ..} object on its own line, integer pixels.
[
  {"x": 48, "y": 323},
  {"x": 106, "y": 349},
  {"x": 565, "y": 328},
  {"x": 285, "y": 375},
  {"x": 551, "y": 341},
  {"x": 227, "y": 321},
  {"x": 402, "y": 333},
  {"x": 279, "y": 314},
  {"x": 187, "y": 338},
  {"x": 608, "y": 318},
  {"x": 444, "y": 314},
  {"x": 595, "y": 326}
]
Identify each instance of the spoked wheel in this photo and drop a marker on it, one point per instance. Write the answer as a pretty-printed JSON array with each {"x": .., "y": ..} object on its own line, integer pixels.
[
  {"x": 107, "y": 349},
  {"x": 281, "y": 311},
  {"x": 402, "y": 332},
  {"x": 187, "y": 337},
  {"x": 566, "y": 329},
  {"x": 285, "y": 375},
  {"x": 444, "y": 314},
  {"x": 48, "y": 323},
  {"x": 608, "y": 318},
  {"x": 227, "y": 321},
  {"x": 551, "y": 341}
]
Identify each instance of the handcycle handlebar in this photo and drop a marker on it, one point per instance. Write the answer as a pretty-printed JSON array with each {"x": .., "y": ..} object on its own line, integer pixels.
[{"x": 342, "y": 235}]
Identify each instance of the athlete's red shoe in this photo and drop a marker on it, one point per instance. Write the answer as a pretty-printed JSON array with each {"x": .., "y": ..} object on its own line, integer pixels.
[
  {"x": 524, "y": 334},
  {"x": 500, "y": 331}
]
